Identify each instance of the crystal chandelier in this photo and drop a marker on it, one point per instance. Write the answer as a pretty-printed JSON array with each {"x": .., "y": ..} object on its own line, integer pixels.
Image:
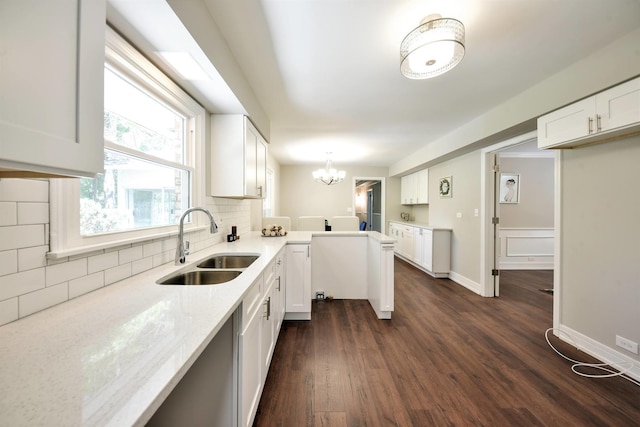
[
  {"x": 329, "y": 175},
  {"x": 432, "y": 48}
]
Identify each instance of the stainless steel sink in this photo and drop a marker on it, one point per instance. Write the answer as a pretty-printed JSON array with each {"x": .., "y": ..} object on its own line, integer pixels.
[
  {"x": 201, "y": 277},
  {"x": 228, "y": 261}
]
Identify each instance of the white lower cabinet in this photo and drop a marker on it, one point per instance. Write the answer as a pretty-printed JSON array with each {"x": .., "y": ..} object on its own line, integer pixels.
[
  {"x": 426, "y": 247},
  {"x": 433, "y": 250},
  {"x": 298, "y": 276},
  {"x": 278, "y": 304},
  {"x": 250, "y": 380},
  {"x": 405, "y": 246},
  {"x": 261, "y": 313}
]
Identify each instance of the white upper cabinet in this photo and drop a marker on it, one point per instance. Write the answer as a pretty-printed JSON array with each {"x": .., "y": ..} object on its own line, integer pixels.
[
  {"x": 414, "y": 188},
  {"x": 422, "y": 190},
  {"x": 51, "y": 81},
  {"x": 408, "y": 189},
  {"x": 238, "y": 158},
  {"x": 609, "y": 114}
]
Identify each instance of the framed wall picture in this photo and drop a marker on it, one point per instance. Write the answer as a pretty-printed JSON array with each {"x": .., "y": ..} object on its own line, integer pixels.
[
  {"x": 445, "y": 188},
  {"x": 509, "y": 188}
]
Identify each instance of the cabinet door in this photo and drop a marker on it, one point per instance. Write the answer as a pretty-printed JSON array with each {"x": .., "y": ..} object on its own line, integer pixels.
[
  {"x": 261, "y": 167},
  {"x": 255, "y": 162},
  {"x": 619, "y": 106},
  {"x": 422, "y": 187},
  {"x": 51, "y": 81},
  {"x": 250, "y": 160},
  {"x": 418, "y": 238},
  {"x": 278, "y": 306},
  {"x": 408, "y": 189},
  {"x": 427, "y": 249},
  {"x": 267, "y": 339},
  {"x": 250, "y": 381},
  {"x": 571, "y": 122},
  {"x": 406, "y": 242},
  {"x": 238, "y": 158},
  {"x": 298, "y": 289}
]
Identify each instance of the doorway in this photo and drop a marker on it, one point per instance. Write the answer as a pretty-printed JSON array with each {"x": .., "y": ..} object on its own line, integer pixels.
[
  {"x": 369, "y": 202},
  {"x": 520, "y": 233}
]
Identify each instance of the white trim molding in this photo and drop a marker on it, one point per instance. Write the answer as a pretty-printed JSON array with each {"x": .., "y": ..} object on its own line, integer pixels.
[{"x": 597, "y": 349}]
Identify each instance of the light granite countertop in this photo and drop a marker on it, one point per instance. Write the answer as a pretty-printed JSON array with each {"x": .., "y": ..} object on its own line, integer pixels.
[
  {"x": 419, "y": 224},
  {"x": 112, "y": 356}
]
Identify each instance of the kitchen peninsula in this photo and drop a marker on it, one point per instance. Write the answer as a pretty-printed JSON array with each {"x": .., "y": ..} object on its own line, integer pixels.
[{"x": 113, "y": 356}]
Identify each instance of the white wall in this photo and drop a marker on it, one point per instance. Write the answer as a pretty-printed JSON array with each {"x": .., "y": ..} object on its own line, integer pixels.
[
  {"x": 600, "y": 232},
  {"x": 535, "y": 208},
  {"x": 443, "y": 212},
  {"x": 300, "y": 195}
]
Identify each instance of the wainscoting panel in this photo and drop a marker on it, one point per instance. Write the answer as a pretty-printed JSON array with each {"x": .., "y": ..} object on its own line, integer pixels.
[{"x": 526, "y": 248}]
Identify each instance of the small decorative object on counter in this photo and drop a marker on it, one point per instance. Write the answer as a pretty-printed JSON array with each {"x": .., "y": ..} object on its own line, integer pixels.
[
  {"x": 274, "y": 231},
  {"x": 233, "y": 236}
]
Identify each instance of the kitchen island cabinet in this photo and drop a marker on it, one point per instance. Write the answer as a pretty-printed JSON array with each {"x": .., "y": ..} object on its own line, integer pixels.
[{"x": 51, "y": 81}]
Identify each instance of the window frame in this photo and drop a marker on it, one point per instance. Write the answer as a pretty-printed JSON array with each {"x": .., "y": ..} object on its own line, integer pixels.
[{"x": 65, "y": 238}]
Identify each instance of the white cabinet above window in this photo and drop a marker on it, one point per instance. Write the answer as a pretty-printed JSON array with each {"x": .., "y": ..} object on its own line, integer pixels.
[
  {"x": 51, "y": 81},
  {"x": 607, "y": 115},
  {"x": 238, "y": 158}
]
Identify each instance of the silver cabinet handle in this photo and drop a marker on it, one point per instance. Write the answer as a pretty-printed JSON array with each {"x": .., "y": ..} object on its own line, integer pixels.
[
  {"x": 267, "y": 304},
  {"x": 278, "y": 279},
  {"x": 598, "y": 122},
  {"x": 590, "y": 123}
]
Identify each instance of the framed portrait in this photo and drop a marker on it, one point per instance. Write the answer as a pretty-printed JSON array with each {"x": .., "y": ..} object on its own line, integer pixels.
[
  {"x": 445, "y": 188},
  {"x": 509, "y": 188}
]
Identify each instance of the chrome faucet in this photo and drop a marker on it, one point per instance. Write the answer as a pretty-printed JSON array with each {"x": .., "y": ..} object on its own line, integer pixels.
[{"x": 183, "y": 250}]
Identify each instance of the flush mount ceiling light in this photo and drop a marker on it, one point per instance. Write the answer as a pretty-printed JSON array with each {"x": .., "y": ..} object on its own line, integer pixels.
[
  {"x": 329, "y": 175},
  {"x": 432, "y": 48}
]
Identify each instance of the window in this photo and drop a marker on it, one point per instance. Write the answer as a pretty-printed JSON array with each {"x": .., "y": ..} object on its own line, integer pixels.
[
  {"x": 153, "y": 151},
  {"x": 146, "y": 185}
]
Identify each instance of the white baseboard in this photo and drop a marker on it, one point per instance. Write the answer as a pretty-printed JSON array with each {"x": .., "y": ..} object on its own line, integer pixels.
[
  {"x": 465, "y": 282},
  {"x": 598, "y": 350}
]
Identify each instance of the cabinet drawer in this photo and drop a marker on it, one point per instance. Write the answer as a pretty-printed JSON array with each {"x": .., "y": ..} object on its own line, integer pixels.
[
  {"x": 252, "y": 302},
  {"x": 269, "y": 273}
]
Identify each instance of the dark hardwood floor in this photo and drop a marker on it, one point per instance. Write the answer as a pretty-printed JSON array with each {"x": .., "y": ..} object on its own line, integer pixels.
[{"x": 447, "y": 358}]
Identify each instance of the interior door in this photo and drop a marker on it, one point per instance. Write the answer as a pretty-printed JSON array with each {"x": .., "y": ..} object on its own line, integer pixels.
[
  {"x": 496, "y": 225},
  {"x": 370, "y": 202}
]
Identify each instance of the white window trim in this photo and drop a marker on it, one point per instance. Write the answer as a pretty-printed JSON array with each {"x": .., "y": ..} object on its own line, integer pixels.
[{"x": 65, "y": 193}]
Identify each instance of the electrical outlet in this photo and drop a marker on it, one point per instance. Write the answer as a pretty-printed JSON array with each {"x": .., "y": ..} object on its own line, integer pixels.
[
  {"x": 319, "y": 295},
  {"x": 627, "y": 344}
]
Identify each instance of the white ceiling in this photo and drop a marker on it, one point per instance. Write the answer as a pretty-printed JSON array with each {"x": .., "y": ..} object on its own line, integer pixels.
[{"x": 326, "y": 72}]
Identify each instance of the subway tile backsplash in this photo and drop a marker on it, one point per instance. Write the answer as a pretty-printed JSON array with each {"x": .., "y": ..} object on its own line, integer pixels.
[{"x": 30, "y": 283}]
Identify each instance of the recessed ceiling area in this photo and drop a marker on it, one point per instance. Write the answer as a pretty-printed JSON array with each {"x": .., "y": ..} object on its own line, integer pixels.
[{"x": 326, "y": 73}]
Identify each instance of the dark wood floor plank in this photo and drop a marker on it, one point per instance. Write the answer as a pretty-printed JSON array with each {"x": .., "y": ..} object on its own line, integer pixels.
[{"x": 447, "y": 358}]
